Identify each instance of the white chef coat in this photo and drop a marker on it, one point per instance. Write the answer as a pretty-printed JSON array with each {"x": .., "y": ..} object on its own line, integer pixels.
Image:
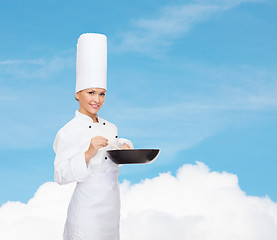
[{"x": 94, "y": 209}]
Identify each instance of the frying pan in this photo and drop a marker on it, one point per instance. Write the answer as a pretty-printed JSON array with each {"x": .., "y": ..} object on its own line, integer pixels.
[{"x": 131, "y": 156}]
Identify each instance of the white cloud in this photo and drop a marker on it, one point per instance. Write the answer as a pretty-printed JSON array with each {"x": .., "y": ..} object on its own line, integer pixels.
[
  {"x": 41, "y": 218},
  {"x": 35, "y": 69},
  {"x": 195, "y": 204},
  {"x": 149, "y": 34},
  {"x": 13, "y": 62}
]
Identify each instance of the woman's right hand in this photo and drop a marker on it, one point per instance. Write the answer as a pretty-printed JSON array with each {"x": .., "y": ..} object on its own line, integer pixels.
[{"x": 95, "y": 144}]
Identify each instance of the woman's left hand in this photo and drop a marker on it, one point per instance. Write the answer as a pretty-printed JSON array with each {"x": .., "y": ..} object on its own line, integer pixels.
[{"x": 125, "y": 146}]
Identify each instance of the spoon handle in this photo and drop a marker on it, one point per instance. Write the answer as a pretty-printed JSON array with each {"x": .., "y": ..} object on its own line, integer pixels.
[{"x": 114, "y": 146}]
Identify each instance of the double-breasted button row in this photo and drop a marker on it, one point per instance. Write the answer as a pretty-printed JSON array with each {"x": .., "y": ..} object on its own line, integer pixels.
[{"x": 90, "y": 125}]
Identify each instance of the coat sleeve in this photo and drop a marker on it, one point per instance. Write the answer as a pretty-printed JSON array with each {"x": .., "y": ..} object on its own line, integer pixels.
[
  {"x": 121, "y": 142},
  {"x": 69, "y": 164}
]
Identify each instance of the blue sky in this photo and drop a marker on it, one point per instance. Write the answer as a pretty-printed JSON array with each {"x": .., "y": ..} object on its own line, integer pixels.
[{"x": 196, "y": 79}]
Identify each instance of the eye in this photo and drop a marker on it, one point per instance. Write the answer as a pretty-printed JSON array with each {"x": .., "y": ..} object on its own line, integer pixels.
[
  {"x": 103, "y": 94},
  {"x": 91, "y": 92}
]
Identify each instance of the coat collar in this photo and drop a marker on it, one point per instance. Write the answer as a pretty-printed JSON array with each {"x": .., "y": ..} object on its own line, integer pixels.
[{"x": 86, "y": 118}]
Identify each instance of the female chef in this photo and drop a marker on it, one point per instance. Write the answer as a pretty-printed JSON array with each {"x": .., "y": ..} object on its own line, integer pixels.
[{"x": 81, "y": 145}]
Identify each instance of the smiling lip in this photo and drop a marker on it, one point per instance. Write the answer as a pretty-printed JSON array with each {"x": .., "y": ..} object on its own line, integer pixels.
[{"x": 94, "y": 105}]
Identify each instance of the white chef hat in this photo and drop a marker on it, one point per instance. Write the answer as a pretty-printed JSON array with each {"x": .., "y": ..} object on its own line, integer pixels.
[{"x": 91, "y": 61}]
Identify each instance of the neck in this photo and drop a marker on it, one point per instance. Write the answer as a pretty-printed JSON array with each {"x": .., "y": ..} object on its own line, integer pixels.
[{"x": 94, "y": 118}]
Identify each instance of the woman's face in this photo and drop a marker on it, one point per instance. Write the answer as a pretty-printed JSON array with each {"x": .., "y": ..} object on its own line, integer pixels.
[{"x": 90, "y": 100}]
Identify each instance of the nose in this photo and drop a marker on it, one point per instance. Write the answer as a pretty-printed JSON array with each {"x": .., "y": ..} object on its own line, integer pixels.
[{"x": 96, "y": 98}]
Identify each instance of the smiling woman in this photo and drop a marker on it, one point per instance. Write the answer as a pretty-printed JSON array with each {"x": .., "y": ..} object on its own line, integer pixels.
[
  {"x": 90, "y": 101},
  {"x": 81, "y": 146}
]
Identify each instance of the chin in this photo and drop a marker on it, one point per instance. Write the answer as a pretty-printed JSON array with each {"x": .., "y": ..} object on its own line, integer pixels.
[{"x": 94, "y": 111}]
